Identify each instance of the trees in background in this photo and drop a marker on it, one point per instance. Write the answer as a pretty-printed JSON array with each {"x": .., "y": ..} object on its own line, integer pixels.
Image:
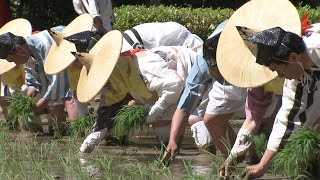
[
  {"x": 5, "y": 13},
  {"x": 43, "y": 13}
]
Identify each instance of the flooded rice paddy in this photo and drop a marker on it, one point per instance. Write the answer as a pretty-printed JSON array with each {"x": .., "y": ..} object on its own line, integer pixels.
[{"x": 30, "y": 156}]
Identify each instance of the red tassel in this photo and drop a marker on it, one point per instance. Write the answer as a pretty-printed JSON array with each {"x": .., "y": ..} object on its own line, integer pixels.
[
  {"x": 135, "y": 51},
  {"x": 35, "y": 32},
  {"x": 304, "y": 23},
  {"x": 130, "y": 52}
]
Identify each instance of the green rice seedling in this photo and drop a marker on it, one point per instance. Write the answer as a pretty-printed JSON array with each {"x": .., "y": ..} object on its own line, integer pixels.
[
  {"x": 79, "y": 127},
  {"x": 21, "y": 112},
  {"x": 260, "y": 140},
  {"x": 300, "y": 154},
  {"x": 128, "y": 119}
]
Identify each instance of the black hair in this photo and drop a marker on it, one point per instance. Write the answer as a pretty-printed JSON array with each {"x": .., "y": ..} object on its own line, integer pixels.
[
  {"x": 210, "y": 49},
  {"x": 19, "y": 40},
  {"x": 291, "y": 43},
  {"x": 7, "y": 43}
]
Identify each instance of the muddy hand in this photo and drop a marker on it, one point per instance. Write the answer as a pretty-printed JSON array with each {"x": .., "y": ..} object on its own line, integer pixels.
[
  {"x": 41, "y": 106},
  {"x": 253, "y": 171},
  {"x": 224, "y": 170},
  {"x": 169, "y": 154}
]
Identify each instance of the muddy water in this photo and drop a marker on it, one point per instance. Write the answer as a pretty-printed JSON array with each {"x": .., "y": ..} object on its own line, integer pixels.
[{"x": 143, "y": 149}]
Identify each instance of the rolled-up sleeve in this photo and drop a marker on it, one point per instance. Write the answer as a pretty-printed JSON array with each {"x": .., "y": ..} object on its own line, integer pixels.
[{"x": 197, "y": 82}]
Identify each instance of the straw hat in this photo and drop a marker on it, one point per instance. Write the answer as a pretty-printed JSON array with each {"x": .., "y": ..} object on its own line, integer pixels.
[
  {"x": 98, "y": 65},
  {"x": 236, "y": 62},
  {"x": 19, "y": 27},
  {"x": 60, "y": 56}
]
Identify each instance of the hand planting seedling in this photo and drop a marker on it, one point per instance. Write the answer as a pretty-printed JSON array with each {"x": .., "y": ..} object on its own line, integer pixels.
[
  {"x": 129, "y": 118},
  {"x": 300, "y": 155},
  {"x": 22, "y": 113}
]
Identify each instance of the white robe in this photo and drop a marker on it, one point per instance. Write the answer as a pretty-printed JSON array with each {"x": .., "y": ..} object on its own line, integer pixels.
[
  {"x": 161, "y": 34},
  {"x": 102, "y": 8},
  {"x": 165, "y": 72},
  {"x": 300, "y": 103}
]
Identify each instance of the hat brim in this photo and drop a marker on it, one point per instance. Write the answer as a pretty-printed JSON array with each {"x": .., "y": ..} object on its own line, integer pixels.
[
  {"x": 19, "y": 27},
  {"x": 6, "y": 66},
  {"x": 236, "y": 62},
  {"x": 105, "y": 53},
  {"x": 60, "y": 56}
]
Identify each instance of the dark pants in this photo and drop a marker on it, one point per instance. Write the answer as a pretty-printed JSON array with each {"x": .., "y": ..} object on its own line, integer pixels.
[{"x": 105, "y": 115}]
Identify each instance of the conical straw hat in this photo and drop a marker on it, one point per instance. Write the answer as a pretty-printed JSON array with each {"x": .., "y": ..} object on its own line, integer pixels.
[
  {"x": 236, "y": 62},
  {"x": 19, "y": 27},
  {"x": 98, "y": 65},
  {"x": 60, "y": 56}
]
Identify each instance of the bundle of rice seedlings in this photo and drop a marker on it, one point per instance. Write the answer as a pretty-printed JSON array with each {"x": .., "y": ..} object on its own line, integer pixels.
[
  {"x": 300, "y": 155},
  {"x": 128, "y": 119},
  {"x": 79, "y": 127},
  {"x": 21, "y": 113}
]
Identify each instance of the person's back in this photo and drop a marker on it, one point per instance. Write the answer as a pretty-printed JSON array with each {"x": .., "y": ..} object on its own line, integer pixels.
[{"x": 155, "y": 34}]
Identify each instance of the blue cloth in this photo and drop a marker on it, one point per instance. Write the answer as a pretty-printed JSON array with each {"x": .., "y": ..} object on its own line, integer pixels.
[
  {"x": 53, "y": 87},
  {"x": 197, "y": 83}
]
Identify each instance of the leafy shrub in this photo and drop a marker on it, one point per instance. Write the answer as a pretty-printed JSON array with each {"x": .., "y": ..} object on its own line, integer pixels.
[{"x": 200, "y": 21}]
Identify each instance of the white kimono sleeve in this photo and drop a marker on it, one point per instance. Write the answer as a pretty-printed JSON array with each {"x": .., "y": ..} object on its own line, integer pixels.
[{"x": 292, "y": 105}]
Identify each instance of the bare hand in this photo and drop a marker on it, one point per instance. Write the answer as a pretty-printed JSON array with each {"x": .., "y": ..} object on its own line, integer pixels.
[
  {"x": 132, "y": 102},
  {"x": 31, "y": 91},
  {"x": 226, "y": 167},
  {"x": 169, "y": 154},
  {"x": 254, "y": 171},
  {"x": 98, "y": 23},
  {"x": 41, "y": 105}
]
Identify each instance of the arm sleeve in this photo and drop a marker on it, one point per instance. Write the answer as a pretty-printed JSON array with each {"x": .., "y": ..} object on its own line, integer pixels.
[
  {"x": 52, "y": 86},
  {"x": 292, "y": 107},
  {"x": 58, "y": 87},
  {"x": 197, "y": 82},
  {"x": 31, "y": 80},
  {"x": 169, "y": 89}
]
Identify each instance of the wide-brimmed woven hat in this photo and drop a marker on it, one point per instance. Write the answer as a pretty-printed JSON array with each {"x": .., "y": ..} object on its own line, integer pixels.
[
  {"x": 19, "y": 27},
  {"x": 60, "y": 56},
  {"x": 98, "y": 65},
  {"x": 236, "y": 62}
]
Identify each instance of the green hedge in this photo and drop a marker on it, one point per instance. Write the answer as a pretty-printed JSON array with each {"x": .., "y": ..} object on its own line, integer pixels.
[
  {"x": 44, "y": 14},
  {"x": 200, "y": 21},
  {"x": 206, "y": 3}
]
